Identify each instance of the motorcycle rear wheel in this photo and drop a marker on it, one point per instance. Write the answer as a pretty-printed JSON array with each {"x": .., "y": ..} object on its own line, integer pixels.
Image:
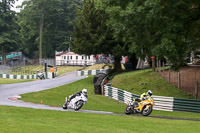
[
  {"x": 128, "y": 110},
  {"x": 78, "y": 105},
  {"x": 146, "y": 112}
]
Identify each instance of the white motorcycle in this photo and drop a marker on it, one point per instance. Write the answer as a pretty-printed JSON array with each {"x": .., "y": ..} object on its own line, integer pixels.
[
  {"x": 76, "y": 103},
  {"x": 40, "y": 75}
]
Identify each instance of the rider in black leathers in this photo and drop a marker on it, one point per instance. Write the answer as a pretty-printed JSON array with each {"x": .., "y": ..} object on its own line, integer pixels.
[{"x": 84, "y": 92}]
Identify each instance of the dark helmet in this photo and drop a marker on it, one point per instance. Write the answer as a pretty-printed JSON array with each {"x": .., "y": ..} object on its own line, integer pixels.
[{"x": 149, "y": 92}]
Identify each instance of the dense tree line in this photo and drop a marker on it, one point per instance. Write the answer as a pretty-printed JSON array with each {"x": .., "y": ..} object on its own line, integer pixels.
[
  {"x": 161, "y": 28},
  {"x": 40, "y": 28},
  {"x": 8, "y": 28},
  {"x": 93, "y": 36},
  {"x": 158, "y": 28},
  {"x": 134, "y": 28},
  {"x": 48, "y": 23}
]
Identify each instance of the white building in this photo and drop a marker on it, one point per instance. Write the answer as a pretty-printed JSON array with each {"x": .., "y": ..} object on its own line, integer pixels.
[{"x": 73, "y": 59}]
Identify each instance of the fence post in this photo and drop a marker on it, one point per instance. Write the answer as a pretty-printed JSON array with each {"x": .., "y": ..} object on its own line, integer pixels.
[
  {"x": 163, "y": 69},
  {"x": 169, "y": 75},
  {"x": 196, "y": 89},
  {"x": 159, "y": 66},
  {"x": 179, "y": 80}
]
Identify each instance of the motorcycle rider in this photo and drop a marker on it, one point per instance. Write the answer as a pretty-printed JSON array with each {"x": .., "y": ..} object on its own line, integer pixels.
[
  {"x": 40, "y": 74},
  {"x": 143, "y": 96},
  {"x": 84, "y": 92}
]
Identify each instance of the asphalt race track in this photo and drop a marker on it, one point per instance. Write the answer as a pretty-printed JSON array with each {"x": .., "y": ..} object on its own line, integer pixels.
[{"x": 10, "y": 92}]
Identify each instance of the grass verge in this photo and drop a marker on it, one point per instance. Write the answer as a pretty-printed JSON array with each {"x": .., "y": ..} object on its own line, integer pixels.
[
  {"x": 65, "y": 69},
  {"x": 100, "y": 66},
  {"x": 33, "y": 68},
  {"x": 56, "y": 96},
  {"x": 10, "y": 81},
  {"x": 61, "y": 70},
  {"x": 23, "y": 120},
  {"x": 141, "y": 81}
]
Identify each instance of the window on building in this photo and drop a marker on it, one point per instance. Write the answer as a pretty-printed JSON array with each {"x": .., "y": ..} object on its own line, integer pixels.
[
  {"x": 77, "y": 57},
  {"x": 82, "y": 57},
  {"x": 64, "y": 57},
  {"x": 71, "y": 57},
  {"x": 88, "y": 57}
]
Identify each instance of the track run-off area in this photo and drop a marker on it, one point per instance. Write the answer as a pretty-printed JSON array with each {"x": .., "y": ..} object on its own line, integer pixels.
[{"x": 10, "y": 92}]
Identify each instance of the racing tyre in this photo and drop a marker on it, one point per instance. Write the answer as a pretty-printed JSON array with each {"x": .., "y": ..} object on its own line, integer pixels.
[
  {"x": 65, "y": 105},
  {"x": 146, "y": 112},
  {"x": 127, "y": 110},
  {"x": 78, "y": 105}
]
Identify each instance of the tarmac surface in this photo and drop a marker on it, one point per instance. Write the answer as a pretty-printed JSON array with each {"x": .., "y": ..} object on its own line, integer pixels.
[{"x": 10, "y": 92}]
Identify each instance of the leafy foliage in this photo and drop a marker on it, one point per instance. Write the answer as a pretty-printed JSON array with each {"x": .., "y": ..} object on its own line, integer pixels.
[
  {"x": 8, "y": 28},
  {"x": 156, "y": 27},
  {"x": 57, "y": 16},
  {"x": 92, "y": 35},
  {"x": 90, "y": 30},
  {"x": 160, "y": 28}
]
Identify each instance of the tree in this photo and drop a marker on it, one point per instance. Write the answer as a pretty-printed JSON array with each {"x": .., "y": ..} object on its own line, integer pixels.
[
  {"x": 93, "y": 36},
  {"x": 29, "y": 18},
  {"x": 160, "y": 28},
  {"x": 48, "y": 23},
  {"x": 7, "y": 28},
  {"x": 115, "y": 24}
]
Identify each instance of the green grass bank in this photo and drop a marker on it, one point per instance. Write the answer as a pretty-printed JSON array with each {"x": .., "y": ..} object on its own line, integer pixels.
[
  {"x": 23, "y": 120},
  {"x": 11, "y": 81},
  {"x": 56, "y": 97},
  {"x": 141, "y": 81}
]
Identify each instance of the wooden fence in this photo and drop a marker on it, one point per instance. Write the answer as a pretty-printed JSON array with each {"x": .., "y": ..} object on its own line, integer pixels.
[{"x": 186, "y": 79}]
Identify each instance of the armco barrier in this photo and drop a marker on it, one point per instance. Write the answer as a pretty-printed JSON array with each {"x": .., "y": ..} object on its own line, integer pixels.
[
  {"x": 10, "y": 76},
  {"x": 89, "y": 72},
  {"x": 187, "y": 105},
  {"x": 161, "y": 102}
]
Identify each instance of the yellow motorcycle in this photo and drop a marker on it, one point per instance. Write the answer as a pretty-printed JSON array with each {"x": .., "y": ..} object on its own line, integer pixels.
[{"x": 144, "y": 107}]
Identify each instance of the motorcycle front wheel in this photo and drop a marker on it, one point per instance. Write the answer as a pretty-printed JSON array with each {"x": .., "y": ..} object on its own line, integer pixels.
[
  {"x": 65, "y": 105},
  {"x": 128, "y": 110},
  {"x": 147, "y": 110},
  {"x": 78, "y": 105}
]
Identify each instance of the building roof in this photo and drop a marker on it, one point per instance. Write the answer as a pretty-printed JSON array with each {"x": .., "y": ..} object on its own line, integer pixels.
[{"x": 70, "y": 53}]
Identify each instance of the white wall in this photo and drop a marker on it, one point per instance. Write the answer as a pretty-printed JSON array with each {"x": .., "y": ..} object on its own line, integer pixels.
[{"x": 75, "y": 60}]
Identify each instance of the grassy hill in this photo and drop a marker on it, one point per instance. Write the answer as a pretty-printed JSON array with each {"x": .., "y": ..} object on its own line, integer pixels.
[
  {"x": 56, "y": 97},
  {"x": 17, "y": 119},
  {"x": 141, "y": 81}
]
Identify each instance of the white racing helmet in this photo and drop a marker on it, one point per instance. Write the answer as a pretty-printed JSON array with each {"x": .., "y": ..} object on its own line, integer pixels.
[
  {"x": 84, "y": 91},
  {"x": 149, "y": 92}
]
